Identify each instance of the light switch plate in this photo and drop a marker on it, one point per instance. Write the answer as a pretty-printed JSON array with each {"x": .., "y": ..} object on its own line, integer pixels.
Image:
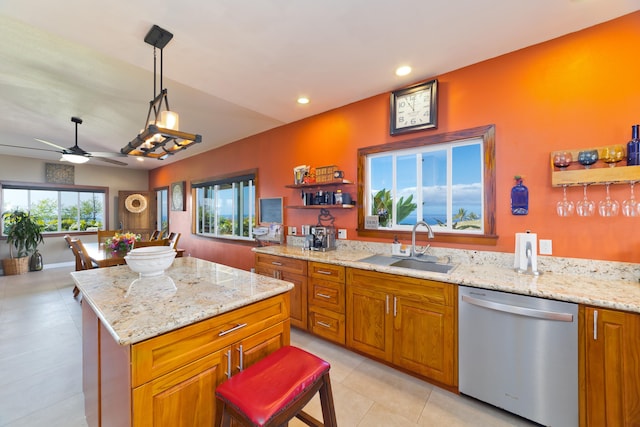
[
  {"x": 545, "y": 247},
  {"x": 342, "y": 233}
]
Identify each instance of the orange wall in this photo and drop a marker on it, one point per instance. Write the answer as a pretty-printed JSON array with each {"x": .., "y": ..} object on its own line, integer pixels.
[{"x": 577, "y": 91}]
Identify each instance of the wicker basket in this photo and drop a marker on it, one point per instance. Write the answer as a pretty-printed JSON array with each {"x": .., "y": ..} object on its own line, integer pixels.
[{"x": 13, "y": 266}]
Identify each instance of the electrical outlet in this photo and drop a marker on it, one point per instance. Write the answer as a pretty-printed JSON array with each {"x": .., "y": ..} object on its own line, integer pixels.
[
  {"x": 545, "y": 247},
  {"x": 342, "y": 233}
]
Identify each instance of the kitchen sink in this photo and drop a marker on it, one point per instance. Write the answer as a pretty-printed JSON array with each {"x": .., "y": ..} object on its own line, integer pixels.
[
  {"x": 415, "y": 264},
  {"x": 425, "y": 263}
]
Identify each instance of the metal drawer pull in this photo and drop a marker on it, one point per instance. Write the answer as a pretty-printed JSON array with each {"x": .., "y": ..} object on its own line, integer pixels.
[
  {"x": 395, "y": 306},
  {"x": 522, "y": 311},
  {"x": 326, "y": 325},
  {"x": 228, "y": 373},
  {"x": 595, "y": 325},
  {"x": 328, "y": 273},
  {"x": 276, "y": 263},
  {"x": 235, "y": 328},
  {"x": 323, "y": 296},
  {"x": 241, "y": 364},
  {"x": 387, "y": 305}
]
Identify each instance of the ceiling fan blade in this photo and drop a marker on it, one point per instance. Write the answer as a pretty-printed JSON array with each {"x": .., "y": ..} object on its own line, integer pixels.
[
  {"x": 51, "y": 144},
  {"x": 29, "y": 148},
  {"x": 113, "y": 162},
  {"x": 107, "y": 154}
]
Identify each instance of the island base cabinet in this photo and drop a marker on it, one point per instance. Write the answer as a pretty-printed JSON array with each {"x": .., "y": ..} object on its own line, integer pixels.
[
  {"x": 408, "y": 322},
  {"x": 612, "y": 368},
  {"x": 170, "y": 380},
  {"x": 186, "y": 397}
]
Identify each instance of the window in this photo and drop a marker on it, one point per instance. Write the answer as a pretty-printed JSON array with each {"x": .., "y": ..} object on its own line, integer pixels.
[
  {"x": 226, "y": 206},
  {"x": 162, "y": 209},
  {"x": 58, "y": 209},
  {"x": 447, "y": 180}
]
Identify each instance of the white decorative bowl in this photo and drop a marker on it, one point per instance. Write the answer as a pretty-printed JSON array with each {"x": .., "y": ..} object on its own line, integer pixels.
[{"x": 149, "y": 265}]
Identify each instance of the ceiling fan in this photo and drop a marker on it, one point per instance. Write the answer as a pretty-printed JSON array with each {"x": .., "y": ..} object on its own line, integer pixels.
[{"x": 76, "y": 154}]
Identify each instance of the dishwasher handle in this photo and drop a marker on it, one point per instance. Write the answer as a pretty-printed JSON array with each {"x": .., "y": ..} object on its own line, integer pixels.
[{"x": 523, "y": 311}]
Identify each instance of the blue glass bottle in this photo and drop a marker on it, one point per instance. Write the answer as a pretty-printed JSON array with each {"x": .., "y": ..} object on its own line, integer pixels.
[
  {"x": 519, "y": 198},
  {"x": 633, "y": 147}
]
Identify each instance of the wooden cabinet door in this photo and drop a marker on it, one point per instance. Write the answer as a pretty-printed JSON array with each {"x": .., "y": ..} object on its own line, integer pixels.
[
  {"x": 256, "y": 347},
  {"x": 369, "y": 327},
  {"x": 612, "y": 361},
  {"x": 424, "y": 338},
  {"x": 290, "y": 270},
  {"x": 182, "y": 398}
]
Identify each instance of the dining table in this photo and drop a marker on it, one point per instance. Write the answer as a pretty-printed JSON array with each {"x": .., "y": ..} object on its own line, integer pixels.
[{"x": 103, "y": 256}]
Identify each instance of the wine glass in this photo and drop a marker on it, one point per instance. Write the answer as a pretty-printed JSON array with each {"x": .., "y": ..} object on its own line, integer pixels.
[
  {"x": 630, "y": 206},
  {"x": 612, "y": 155},
  {"x": 562, "y": 160},
  {"x": 585, "y": 207},
  {"x": 564, "y": 207},
  {"x": 608, "y": 207},
  {"x": 587, "y": 158}
]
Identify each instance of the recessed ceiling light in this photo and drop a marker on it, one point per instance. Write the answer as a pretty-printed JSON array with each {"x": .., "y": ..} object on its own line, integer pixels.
[
  {"x": 403, "y": 71},
  {"x": 303, "y": 100}
]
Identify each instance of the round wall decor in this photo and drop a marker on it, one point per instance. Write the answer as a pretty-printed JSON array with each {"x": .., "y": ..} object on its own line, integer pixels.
[{"x": 135, "y": 203}]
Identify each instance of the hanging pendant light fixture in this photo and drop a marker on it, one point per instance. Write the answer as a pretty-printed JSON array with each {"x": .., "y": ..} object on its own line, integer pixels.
[{"x": 161, "y": 136}]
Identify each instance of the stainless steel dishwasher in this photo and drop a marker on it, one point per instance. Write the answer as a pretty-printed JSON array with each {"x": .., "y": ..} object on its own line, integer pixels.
[{"x": 520, "y": 353}]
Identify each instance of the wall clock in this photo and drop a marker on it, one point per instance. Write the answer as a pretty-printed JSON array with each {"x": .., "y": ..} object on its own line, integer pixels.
[
  {"x": 414, "y": 108},
  {"x": 177, "y": 196}
]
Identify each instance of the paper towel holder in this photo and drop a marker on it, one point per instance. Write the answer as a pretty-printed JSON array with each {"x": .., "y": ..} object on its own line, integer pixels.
[{"x": 526, "y": 259}]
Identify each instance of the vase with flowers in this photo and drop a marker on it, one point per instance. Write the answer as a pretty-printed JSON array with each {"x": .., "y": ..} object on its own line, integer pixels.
[{"x": 122, "y": 242}]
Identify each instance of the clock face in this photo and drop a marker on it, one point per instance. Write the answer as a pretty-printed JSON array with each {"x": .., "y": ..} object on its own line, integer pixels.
[{"x": 413, "y": 108}]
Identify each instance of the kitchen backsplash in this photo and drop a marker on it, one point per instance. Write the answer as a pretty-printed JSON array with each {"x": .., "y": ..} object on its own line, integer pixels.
[{"x": 546, "y": 264}]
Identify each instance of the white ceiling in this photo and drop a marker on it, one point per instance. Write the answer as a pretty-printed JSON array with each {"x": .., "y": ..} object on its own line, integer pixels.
[{"x": 236, "y": 67}]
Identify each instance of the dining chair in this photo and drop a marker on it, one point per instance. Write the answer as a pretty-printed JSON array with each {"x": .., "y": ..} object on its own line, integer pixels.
[
  {"x": 145, "y": 243},
  {"x": 173, "y": 240},
  {"x": 156, "y": 235},
  {"x": 103, "y": 235},
  {"x": 83, "y": 261}
]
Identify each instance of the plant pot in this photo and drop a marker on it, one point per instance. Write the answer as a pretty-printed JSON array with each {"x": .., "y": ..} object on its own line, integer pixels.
[{"x": 13, "y": 266}]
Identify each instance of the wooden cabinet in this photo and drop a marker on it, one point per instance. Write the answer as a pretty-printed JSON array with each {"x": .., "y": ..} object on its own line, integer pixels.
[
  {"x": 170, "y": 380},
  {"x": 408, "y": 322},
  {"x": 326, "y": 298},
  {"x": 291, "y": 270},
  {"x": 610, "y": 352}
]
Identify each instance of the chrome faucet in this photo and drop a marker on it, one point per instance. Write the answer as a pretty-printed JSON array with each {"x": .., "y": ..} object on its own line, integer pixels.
[{"x": 414, "y": 252}]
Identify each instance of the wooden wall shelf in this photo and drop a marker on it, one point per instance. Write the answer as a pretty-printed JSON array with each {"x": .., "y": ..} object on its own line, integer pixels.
[
  {"x": 320, "y": 184},
  {"x": 327, "y": 207},
  {"x": 599, "y": 173}
]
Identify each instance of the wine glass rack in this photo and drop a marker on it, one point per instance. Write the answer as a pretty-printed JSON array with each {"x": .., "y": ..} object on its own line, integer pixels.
[{"x": 599, "y": 173}]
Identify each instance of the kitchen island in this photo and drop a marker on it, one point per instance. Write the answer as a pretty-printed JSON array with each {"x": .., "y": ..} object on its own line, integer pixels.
[{"x": 155, "y": 348}]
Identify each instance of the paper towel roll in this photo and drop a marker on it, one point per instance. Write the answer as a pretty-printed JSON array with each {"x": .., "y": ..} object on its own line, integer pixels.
[{"x": 521, "y": 261}]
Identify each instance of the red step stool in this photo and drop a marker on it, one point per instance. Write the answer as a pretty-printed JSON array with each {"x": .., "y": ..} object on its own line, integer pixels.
[{"x": 275, "y": 389}]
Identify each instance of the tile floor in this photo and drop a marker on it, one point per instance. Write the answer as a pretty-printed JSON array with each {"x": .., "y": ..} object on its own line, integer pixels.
[{"x": 41, "y": 377}]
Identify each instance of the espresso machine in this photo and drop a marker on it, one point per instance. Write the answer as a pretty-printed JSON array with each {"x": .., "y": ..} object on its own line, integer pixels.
[{"x": 324, "y": 238}]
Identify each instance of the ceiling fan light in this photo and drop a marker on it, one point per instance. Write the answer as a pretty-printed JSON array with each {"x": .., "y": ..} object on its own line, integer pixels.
[
  {"x": 169, "y": 120},
  {"x": 74, "y": 158}
]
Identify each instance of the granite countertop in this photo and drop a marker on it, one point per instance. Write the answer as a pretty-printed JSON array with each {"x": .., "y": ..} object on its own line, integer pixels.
[
  {"x": 134, "y": 309},
  {"x": 601, "y": 284}
]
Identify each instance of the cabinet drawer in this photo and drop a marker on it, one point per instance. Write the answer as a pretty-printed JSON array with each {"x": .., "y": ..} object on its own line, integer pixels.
[
  {"x": 326, "y": 294},
  {"x": 327, "y": 324},
  {"x": 167, "y": 352},
  {"x": 292, "y": 265},
  {"x": 323, "y": 271}
]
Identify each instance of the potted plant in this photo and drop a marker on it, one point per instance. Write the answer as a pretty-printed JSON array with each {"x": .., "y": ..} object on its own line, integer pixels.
[{"x": 24, "y": 235}]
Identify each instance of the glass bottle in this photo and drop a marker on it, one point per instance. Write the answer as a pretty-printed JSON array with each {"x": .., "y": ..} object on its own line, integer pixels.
[
  {"x": 633, "y": 147},
  {"x": 519, "y": 198}
]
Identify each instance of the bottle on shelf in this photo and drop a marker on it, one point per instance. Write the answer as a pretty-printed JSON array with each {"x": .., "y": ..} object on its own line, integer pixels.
[{"x": 633, "y": 147}]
